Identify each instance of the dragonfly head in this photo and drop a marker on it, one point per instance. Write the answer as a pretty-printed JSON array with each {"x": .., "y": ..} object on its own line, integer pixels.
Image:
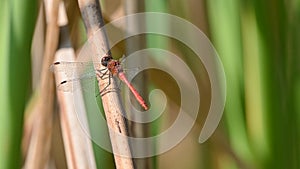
[{"x": 105, "y": 60}]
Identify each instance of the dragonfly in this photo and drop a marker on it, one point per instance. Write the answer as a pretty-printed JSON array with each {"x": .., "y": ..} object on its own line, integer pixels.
[{"x": 112, "y": 68}]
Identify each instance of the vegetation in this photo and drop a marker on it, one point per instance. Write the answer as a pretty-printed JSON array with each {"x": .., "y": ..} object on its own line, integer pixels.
[{"x": 257, "y": 42}]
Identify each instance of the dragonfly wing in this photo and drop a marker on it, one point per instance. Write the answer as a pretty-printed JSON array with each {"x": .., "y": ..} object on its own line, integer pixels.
[
  {"x": 75, "y": 76},
  {"x": 86, "y": 83},
  {"x": 72, "y": 70}
]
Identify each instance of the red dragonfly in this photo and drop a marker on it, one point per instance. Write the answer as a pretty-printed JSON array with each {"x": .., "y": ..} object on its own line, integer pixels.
[{"x": 113, "y": 68}]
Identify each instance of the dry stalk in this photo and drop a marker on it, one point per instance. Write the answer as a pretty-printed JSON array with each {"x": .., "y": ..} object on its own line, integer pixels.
[
  {"x": 91, "y": 14},
  {"x": 40, "y": 141},
  {"x": 78, "y": 146}
]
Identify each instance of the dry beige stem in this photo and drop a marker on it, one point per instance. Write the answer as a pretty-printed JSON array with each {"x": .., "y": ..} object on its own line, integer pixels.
[
  {"x": 78, "y": 146},
  {"x": 40, "y": 142},
  {"x": 91, "y": 14}
]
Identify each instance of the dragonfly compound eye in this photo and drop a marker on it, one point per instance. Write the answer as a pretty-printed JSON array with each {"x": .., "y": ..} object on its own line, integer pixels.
[{"x": 105, "y": 60}]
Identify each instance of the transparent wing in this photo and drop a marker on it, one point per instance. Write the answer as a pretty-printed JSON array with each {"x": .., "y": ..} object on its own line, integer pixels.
[
  {"x": 131, "y": 72},
  {"x": 75, "y": 76},
  {"x": 72, "y": 70}
]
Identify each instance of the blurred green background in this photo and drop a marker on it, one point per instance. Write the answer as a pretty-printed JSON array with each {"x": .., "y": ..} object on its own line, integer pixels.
[{"x": 259, "y": 45}]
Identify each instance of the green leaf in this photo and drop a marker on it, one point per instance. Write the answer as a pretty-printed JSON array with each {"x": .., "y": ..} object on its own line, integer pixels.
[{"x": 17, "y": 25}]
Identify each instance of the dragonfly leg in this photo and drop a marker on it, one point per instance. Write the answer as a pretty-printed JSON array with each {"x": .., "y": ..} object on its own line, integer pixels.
[
  {"x": 106, "y": 90},
  {"x": 109, "y": 82},
  {"x": 101, "y": 70},
  {"x": 103, "y": 75}
]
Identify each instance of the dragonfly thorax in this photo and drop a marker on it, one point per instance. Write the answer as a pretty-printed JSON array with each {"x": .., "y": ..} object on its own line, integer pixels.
[{"x": 114, "y": 67}]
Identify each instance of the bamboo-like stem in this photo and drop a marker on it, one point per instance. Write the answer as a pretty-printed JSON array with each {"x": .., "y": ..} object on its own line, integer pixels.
[
  {"x": 40, "y": 142},
  {"x": 91, "y": 14},
  {"x": 78, "y": 146}
]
